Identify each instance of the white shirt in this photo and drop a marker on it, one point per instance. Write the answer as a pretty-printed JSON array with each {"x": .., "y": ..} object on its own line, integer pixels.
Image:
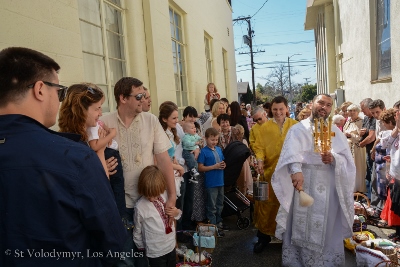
[
  {"x": 149, "y": 231},
  {"x": 93, "y": 134},
  {"x": 138, "y": 144}
]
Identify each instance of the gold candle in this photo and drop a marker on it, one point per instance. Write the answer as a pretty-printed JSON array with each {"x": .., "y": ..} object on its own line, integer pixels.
[
  {"x": 315, "y": 135},
  {"x": 329, "y": 132},
  {"x": 322, "y": 135}
]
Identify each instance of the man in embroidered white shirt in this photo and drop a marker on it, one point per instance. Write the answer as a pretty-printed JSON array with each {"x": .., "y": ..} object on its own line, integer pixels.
[{"x": 140, "y": 138}]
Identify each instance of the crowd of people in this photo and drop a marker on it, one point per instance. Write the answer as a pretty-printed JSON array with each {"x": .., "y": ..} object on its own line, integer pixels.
[{"x": 117, "y": 189}]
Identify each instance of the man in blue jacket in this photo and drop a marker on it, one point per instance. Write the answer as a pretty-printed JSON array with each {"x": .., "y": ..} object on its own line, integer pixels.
[{"x": 56, "y": 204}]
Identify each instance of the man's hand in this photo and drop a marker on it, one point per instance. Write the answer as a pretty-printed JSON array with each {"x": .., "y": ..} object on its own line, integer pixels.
[
  {"x": 260, "y": 166},
  {"x": 372, "y": 154},
  {"x": 170, "y": 205},
  {"x": 297, "y": 180},
  {"x": 327, "y": 157},
  {"x": 196, "y": 153},
  {"x": 112, "y": 164}
]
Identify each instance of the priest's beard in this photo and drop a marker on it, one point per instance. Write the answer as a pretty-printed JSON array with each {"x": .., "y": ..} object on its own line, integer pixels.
[{"x": 315, "y": 115}]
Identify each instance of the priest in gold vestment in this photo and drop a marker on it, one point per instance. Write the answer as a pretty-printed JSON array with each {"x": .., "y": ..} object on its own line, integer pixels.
[{"x": 267, "y": 148}]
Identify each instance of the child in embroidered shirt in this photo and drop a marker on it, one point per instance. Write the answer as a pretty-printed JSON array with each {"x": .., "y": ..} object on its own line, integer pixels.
[
  {"x": 211, "y": 94},
  {"x": 153, "y": 231},
  {"x": 190, "y": 141}
]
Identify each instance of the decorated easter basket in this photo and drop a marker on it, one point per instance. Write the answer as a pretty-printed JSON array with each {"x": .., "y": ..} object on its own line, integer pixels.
[
  {"x": 189, "y": 258},
  {"x": 361, "y": 209},
  {"x": 390, "y": 253}
]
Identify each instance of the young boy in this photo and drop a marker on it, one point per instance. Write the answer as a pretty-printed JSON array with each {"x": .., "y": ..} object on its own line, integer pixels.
[
  {"x": 211, "y": 162},
  {"x": 190, "y": 141}
]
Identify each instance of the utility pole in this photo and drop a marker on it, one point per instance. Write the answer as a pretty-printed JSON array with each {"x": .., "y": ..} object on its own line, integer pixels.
[
  {"x": 249, "y": 38},
  {"x": 290, "y": 83},
  {"x": 306, "y": 80}
]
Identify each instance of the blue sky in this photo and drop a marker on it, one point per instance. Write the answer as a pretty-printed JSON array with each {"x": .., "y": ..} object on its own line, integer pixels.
[{"x": 279, "y": 30}]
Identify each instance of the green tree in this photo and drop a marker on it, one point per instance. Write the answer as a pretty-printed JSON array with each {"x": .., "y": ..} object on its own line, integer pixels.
[
  {"x": 260, "y": 89},
  {"x": 248, "y": 97},
  {"x": 308, "y": 92}
]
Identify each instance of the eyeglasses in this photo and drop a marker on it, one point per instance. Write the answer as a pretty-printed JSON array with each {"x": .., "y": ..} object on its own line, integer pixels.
[
  {"x": 256, "y": 120},
  {"x": 139, "y": 97},
  {"x": 242, "y": 105},
  {"x": 62, "y": 90}
]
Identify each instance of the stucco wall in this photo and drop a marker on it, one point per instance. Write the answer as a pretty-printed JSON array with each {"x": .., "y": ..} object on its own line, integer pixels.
[
  {"x": 52, "y": 27},
  {"x": 356, "y": 26}
]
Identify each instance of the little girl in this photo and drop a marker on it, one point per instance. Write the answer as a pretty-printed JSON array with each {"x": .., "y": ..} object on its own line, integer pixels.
[
  {"x": 211, "y": 94},
  {"x": 152, "y": 231}
]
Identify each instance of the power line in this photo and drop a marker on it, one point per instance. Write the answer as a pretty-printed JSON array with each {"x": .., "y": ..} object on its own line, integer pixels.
[
  {"x": 287, "y": 43},
  {"x": 260, "y": 8}
]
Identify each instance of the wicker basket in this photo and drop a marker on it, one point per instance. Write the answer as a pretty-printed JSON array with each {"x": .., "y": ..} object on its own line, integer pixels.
[
  {"x": 388, "y": 264},
  {"x": 207, "y": 227},
  {"x": 362, "y": 210},
  {"x": 391, "y": 255}
]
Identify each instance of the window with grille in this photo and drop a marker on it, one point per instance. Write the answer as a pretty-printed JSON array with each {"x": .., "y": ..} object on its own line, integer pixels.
[
  {"x": 207, "y": 45},
  {"x": 178, "y": 56},
  {"x": 103, "y": 45},
  {"x": 225, "y": 65}
]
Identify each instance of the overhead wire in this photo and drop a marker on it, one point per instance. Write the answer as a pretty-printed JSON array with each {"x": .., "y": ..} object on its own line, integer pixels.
[{"x": 260, "y": 8}]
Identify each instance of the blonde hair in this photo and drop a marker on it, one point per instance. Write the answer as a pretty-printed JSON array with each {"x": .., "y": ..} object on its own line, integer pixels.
[
  {"x": 302, "y": 113},
  {"x": 345, "y": 105},
  {"x": 151, "y": 182},
  {"x": 240, "y": 129},
  {"x": 215, "y": 88},
  {"x": 215, "y": 108}
]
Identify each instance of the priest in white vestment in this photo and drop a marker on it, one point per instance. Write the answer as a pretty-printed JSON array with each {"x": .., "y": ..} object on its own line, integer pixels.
[{"x": 313, "y": 236}]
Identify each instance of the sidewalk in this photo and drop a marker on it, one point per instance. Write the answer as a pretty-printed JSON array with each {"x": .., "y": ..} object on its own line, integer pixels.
[{"x": 236, "y": 248}]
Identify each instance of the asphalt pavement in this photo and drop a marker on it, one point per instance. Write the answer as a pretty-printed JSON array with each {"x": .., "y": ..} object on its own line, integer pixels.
[{"x": 236, "y": 248}]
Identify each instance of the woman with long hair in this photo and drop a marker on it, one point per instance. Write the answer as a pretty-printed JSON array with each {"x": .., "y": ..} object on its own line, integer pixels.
[
  {"x": 80, "y": 110},
  {"x": 79, "y": 114},
  {"x": 236, "y": 117},
  {"x": 168, "y": 118}
]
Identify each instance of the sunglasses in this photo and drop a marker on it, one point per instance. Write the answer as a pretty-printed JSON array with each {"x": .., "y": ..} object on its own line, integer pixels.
[
  {"x": 256, "y": 120},
  {"x": 139, "y": 97},
  {"x": 62, "y": 90}
]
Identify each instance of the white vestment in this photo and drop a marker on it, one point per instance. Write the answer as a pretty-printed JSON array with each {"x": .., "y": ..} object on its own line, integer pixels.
[{"x": 313, "y": 236}]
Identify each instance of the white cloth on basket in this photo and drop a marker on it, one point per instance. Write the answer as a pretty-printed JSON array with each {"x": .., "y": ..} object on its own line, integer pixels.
[{"x": 366, "y": 257}]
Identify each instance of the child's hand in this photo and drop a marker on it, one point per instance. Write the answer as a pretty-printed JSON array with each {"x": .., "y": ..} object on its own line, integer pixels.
[
  {"x": 181, "y": 170},
  {"x": 220, "y": 166},
  {"x": 112, "y": 132},
  {"x": 102, "y": 134},
  {"x": 197, "y": 143},
  {"x": 172, "y": 211},
  {"x": 105, "y": 127}
]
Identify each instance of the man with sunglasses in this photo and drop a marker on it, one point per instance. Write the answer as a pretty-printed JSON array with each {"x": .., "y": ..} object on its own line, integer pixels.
[
  {"x": 55, "y": 195},
  {"x": 259, "y": 118},
  {"x": 141, "y": 138}
]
